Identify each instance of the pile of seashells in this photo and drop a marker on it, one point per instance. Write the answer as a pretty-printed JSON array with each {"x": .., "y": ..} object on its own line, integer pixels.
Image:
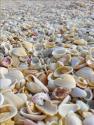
[{"x": 46, "y": 82}]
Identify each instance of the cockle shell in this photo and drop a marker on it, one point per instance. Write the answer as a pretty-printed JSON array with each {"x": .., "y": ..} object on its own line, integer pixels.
[
  {"x": 62, "y": 70},
  {"x": 72, "y": 119},
  {"x": 47, "y": 108},
  {"x": 89, "y": 120},
  {"x": 35, "y": 85},
  {"x": 64, "y": 109},
  {"x": 77, "y": 92},
  {"x": 60, "y": 93},
  {"x": 20, "y": 52},
  {"x": 18, "y": 100},
  {"x": 7, "y": 112},
  {"x": 58, "y": 52},
  {"x": 67, "y": 81},
  {"x": 80, "y": 42},
  {"x": 1, "y": 99},
  {"x": 86, "y": 73},
  {"x": 32, "y": 116}
]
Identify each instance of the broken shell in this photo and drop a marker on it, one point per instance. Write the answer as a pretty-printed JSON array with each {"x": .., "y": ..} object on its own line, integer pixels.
[
  {"x": 7, "y": 112},
  {"x": 89, "y": 94},
  {"x": 89, "y": 120},
  {"x": 80, "y": 42},
  {"x": 34, "y": 85},
  {"x": 48, "y": 108},
  {"x": 77, "y": 92},
  {"x": 62, "y": 70},
  {"x": 72, "y": 119},
  {"x": 58, "y": 52},
  {"x": 67, "y": 81},
  {"x": 60, "y": 93},
  {"x": 32, "y": 116},
  {"x": 1, "y": 99},
  {"x": 18, "y": 100},
  {"x": 83, "y": 106},
  {"x": 64, "y": 109},
  {"x": 87, "y": 73},
  {"x": 20, "y": 52}
]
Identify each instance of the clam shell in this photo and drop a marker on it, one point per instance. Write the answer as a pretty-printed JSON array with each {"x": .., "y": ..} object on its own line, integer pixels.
[
  {"x": 62, "y": 70},
  {"x": 48, "y": 108},
  {"x": 58, "y": 52},
  {"x": 20, "y": 52},
  {"x": 3, "y": 71},
  {"x": 72, "y": 119},
  {"x": 89, "y": 120},
  {"x": 32, "y": 116},
  {"x": 64, "y": 109},
  {"x": 80, "y": 42},
  {"x": 67, "y": 81},
  {"x": 1, "y": 99},
  {"x": 7, "y": 112},
  {"x": 77, "y": 92},
  {"x": 17, "y": 100},
  {"x": 28, "y": 46},
  {"x": 36, "y": 85}
]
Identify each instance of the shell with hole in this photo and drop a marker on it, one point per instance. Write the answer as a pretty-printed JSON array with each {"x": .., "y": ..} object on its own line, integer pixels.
[
  {"x": 34, "y": 85},
  {"x": 67, "y": 81},
  {"x": 7, "y": 112}
]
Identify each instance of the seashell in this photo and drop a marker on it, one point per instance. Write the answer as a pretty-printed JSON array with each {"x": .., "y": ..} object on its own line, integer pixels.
[
  {"x": 35, "y": 63},
  {"x": 66, "y": 59},
  {"x": 34, "y": 85},
  {"x": 67, "y": 99},
  {"x": 43, "y": 78},
  {"x": 32, "y": 116},
  {"x": 89, "y": 94},
  {"x": 7, "y": 112},
  {"x": 67, "y": 81},
  {"x": 91, "y": 104},
  {"x": 89, "y": 120},
  {"x": 64, "y": 109},
  {"x": 77, "y": 92},
  {"x": 59, "y": 52},
  {"x": 89, "y": 61},
  {"x": 62, "y": 70},
  {"x": 80, "y": 42},
  {"x": 60, "y": 93},
  {"x": 15, "y": 61},
  {"x": 19, "y": 52},
  {"x": 1, "y": 99},
  {"x": 87, "y": 73},
  {"x": 6, "y": 62},
  {"x": 3, "y": 71},
  {"x": 28, "y": 46},
  {"x": 18, "y": 100},
  {"x": 29, "y": 122},
  {"x": 74, "y": 52},
  {"x": 83, "y": 106},
  {"x": 72, "y": 119},
  {"x": 48, "y": 108},
  {"x": 39, "y": 98},
  {"x": 91, "y": 52}
]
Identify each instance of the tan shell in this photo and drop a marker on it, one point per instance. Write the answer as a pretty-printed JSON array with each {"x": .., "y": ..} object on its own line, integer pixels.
[
  {"x": 7, "y": 112},
  {"x": 20, "y": 52},
  {"x": 34, "y": 85},
  {"x": 64, "y": 109},
  {"x": 67, "y": 81},
  {"x": 80, "y": 42},
  {"x": 47, "y": 108},
  {"x": 90, "y": 61},
  {"x": 62, "y": 70},
  {"x": 28, "y": 45}
]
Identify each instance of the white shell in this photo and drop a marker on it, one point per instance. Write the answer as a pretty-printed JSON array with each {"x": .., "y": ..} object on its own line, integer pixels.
[
  {"x": 83, "y": 106},
  {"x": 77, "y": 92},
  {"x": 89, "y": 120},
  {"x": 89, "y": 94},
  {"x": 5, "y": 83},
  {"x": 1, "y": 99},
  {"x": 64, "y": 109},
  {"x": 72, "y": 119}
]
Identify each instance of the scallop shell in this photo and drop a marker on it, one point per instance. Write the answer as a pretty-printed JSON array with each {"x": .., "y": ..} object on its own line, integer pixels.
[
  {"x": 89, "y": 120},
  {"x": 35, "y": 85},
  {"x": 64, "y": 109},
  {"x": 62, "y": 70},
  {"x": 80, "y": 42},
  {"x": 77, "y": 92},
  {"x": 18, "y": 100},
  {"x": 20, "y": 52},
  {"x": 1, "y": 99},
  {"x": 72, "y": 119},
  {"x": 67, "y": 81},
  {"x": 60, "y": 93},
  {"x": 47, "y": 108},
  {"x": 7, "y": 112},
  {"x": 58, "y": 52}
]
